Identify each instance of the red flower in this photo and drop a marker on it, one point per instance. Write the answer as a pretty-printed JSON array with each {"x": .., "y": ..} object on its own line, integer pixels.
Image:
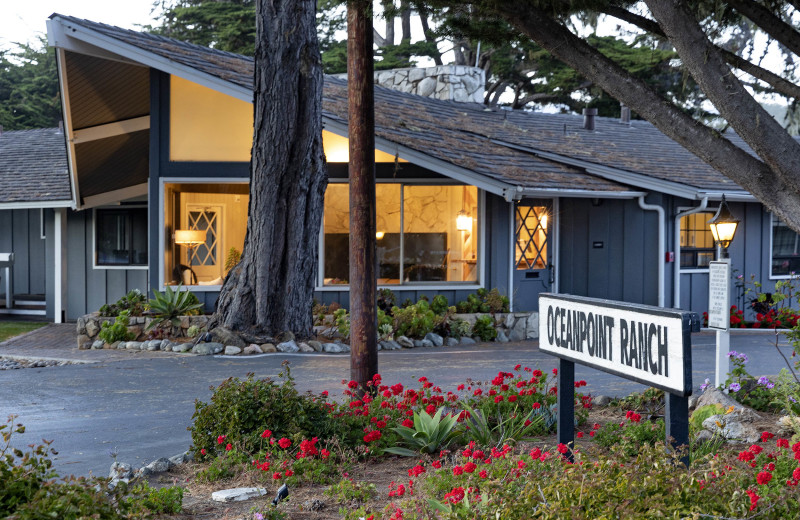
[
  {"x": 536, "y": 453},
  {"x": 325, "y": 453},
  {"x": 555, "y": 372},
  {"x": 203, "y": 451},
  {"x": 498, "y": 398},
  {"x": 469, "y": 467},
  {"x": 536, "y": 406},
  {"x": 437, "y": 464},
  {"x": 455, "y": 496},
  {"x": 517, "y": 367},
  {"x": 276, "y": 475},
  {"x": 746, "y": 456},
  {"x": 220, "y": 439},
  {"x": 756, "y": 449},
  {"x": 753, "y": 498},
  {"x": 763, "y": 477},
  {"x": 483, "y": 474},
  {"x": 228, "y": 447},
  {"x": 431, "y": 409},
  {"x": 289, "y": 473},
  {"x": 765, "y": 436},
  {"x": 416, "y": 471},
  {"x": 352, "y": 384},
  {"x": 284, "y": 443},
  {"x": 782, "y": 443},
  {"x": 458, "y": 470},
  {"x": 562, "y": 448},
  {"x": 408, "y": 423},
  {"x": 579, "y": 435},
  {"x": 796, "y": 473},
  {"x": 266, "y": 434}
]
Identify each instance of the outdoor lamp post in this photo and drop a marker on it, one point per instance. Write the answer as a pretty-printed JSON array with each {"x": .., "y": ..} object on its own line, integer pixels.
[{"x": 723, "y": 228}]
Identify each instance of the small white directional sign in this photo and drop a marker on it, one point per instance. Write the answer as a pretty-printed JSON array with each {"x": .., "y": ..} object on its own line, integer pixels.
[{"x": 719, "y": 284}]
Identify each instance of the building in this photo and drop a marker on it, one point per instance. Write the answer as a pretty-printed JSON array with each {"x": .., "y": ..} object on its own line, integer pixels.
[{"x": 159, "y": 135}]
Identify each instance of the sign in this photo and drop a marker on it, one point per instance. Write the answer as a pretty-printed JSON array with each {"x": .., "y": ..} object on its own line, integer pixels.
[
  {"x": 651, "y": 345},
  {"x": 719, "y": 312}
]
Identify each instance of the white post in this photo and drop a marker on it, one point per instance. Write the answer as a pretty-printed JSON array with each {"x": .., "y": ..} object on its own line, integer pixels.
[
  {"x": 719, "y": 314},
  {"x": 59, "y": 264}
]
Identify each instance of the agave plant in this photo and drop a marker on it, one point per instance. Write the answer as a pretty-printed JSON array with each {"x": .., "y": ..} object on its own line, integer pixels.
[
  {"x": 427, "y": 435},
  {"x": 169, "y": 305}
]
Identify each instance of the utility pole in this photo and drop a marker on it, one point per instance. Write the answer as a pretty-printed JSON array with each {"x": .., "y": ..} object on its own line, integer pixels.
[{"x": 361, "y": 134}]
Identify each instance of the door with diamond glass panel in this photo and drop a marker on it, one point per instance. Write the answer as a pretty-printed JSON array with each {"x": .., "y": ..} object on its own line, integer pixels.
[
  {"x": 206, "y": 259},
  {"x": 532, "y": 266}
]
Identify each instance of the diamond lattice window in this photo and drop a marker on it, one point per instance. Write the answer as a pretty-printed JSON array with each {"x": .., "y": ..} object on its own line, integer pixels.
[{"x": 531, "y": 237}]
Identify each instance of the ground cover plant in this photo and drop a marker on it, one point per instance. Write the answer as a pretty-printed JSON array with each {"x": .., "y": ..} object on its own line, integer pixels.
[{"x": 9, "y": 329}]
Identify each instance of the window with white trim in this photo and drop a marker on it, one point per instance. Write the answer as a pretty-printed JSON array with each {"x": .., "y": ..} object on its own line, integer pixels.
[
  {"x": 697, "y": 243},
  {"x": 121, "y": 237},
  {"x": 785, "y": 253},
  {"x": 424, "y": 234}
]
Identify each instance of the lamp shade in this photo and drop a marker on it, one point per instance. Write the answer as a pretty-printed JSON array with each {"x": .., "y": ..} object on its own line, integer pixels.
[
  {"x": 190, "y": 237},
  {"x": 463, "y": 221},
  {"x": 723, "y": 225}
]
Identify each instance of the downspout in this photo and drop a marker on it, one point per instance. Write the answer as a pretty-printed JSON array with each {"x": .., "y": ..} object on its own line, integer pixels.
[
  {"x": 676, "y": 277},
  {"x": 661, "y": 249}
]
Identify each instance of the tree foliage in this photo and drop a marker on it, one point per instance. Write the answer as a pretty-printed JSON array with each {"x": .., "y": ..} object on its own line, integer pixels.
[
  {"x": 29, "y": 88},
  {"x": 227, "y": 25}
]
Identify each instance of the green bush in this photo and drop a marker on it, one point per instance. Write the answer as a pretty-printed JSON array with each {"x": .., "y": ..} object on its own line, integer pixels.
[
  {"x": 439, "y": 304},
  {"x": 414, "y": 321},
  {"x": 484, "y": 328},
  {"x": 629, "y": 436},
  {"x": 346, "y": 491},
  {"x": 134, "y": 302},
  {"x": 484, "y": 301},
  {"x": 385, "y": 300},
  {"x": 460, "y": 328},
  {"x": 240, "y": 410},
  {"x": 118, "y": 331},
  {"x": 170, "y": 305},
  {"x": 342, "y": 319},
  {"x": 702, "y": 413},
  {"x": 147, "y": 499}
]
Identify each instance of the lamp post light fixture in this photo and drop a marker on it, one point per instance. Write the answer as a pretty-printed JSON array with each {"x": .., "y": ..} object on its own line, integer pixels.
[{"x": 723, "y": 228}]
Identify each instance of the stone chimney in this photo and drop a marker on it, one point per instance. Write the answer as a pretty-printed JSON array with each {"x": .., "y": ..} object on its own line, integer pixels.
[{"x": 448, "y": 82}]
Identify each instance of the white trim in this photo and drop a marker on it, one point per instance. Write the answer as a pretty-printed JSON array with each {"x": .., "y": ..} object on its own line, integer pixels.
[
  {"x": 42, "y": 227},
  {"x": 59, "y": 264},
  {"x": 512, "y": 241},
  {"x": 113, "y": 129},
  {"x": 694, "y": 271},
  {"x": 110, "y": 197},
  {"x": 771, "y": 251},
  {"x": 24, "y": 312},
  {"x": 37, "y": 205},
  {"x": 661, "y": 246},
  {"x": 161, "y": 220},
  {"x": 677, "y": 271},
  {"x": 556, "y": 244},
  {"x": 69, "y": 30},
  {"x": 61, "y": 66},
  {"x": 94, "y": 241},
  {"x": 456, "y": 286},
  {"x": 532, "y": 193},
  {"x": 552, "y": 240}
]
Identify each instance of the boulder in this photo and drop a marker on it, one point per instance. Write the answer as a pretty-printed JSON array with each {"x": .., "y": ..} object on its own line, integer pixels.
[
  {"x": 230, "y": 350},
  {"x": 157, "y": 466},
  {"x": 181, "y": 347},
  {"x": 532, "y": 326},
  {"x": 426, "y": 343},
  {"x": 501, "y": 337},
  {"x": 466, "y": 340},
  {"x": 226, "y": 337},
  {"x": 182, "y": 458},
  {"x": 335, "y": 348},
  {"x": 131, "y": 345},
  {"x": 268, "y": 347},
  {"x": 288, "y": 347},
  {"x": 92, "y": 328},
  {"x": 237, "y": 494},
  {"x": 285, "y": 337},
  {"x": 451, "y": 342},
  {"x": 253, "y": 349},
  {"x": 316, "y": 345},
  {"x": 733, "y": 427},
  {"x": 305, "y": 347},
  {"x": 389, "y": 345},
  {"x": 84, "y": 341},
  {"x": 154, "y": 344},
  {"x": 405, "y": 342},
  {"x": 207, "y": 349},
  {"x": 166, "y": 345},
  {"x": 120, "y": 470},
  {"x": 601, "y": 400},
  {"x": 417, "y": 343},
  {"x": 434, "y": 338},
  {"x": 97, "y": 344}
]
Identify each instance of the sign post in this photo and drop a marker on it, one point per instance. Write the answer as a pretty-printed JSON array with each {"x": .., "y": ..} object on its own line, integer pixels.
[
  {"x": 650, "y": 345},
  {"x": 719, "y": 314}
]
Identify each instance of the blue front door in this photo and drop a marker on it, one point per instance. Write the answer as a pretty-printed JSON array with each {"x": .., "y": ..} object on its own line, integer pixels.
[{"x": 532, "y": 258}]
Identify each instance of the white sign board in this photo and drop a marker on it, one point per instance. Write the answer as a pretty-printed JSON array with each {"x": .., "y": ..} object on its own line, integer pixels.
[
  {"x": 647, "y": 344},
  {"x": 719, "y": 283}
]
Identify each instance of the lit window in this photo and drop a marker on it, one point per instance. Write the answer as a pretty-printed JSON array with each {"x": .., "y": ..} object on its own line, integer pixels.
[
  {"x": 121, "y": 237},
  {"x": 785, "y": 249},
  {"x": 423, "y": 234},
  {"x": 697, "y": 243},
  {"x": 204, "y": 226}
]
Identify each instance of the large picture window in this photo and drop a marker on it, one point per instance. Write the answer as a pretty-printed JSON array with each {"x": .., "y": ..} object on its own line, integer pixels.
[
  {"x": 697, "y": 243},
  {"x": 121, "y": 237},
  {"x": 424, "y": 234},
  {"x": 785, "y": 249}
]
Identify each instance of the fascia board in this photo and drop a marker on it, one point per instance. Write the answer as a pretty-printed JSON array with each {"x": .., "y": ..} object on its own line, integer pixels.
[
  {"x": 426, "y": 161},
  {"x": 144, "y": 57},
  {"x": 36, "y": 205}
]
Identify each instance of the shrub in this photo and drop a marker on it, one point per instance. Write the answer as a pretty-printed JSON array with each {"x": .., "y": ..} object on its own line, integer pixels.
[
  {"x": 484, "y": 328},
  {"x": 630, "y": 434},
  {"x": 460, "y": 328},
  {"x": 240, "y": 410},
  {"x": 702, "y": 413},
  {"x": 233, "y": 257},
  {"x": 147, "y": 499},
  {"x": 415, "y": 320},
  {"x": 170, "y": 305},
  {"x": 439, "y": 304},
  {"x": 134, "y": 302},
  {"x": 385, "y": 300},
  {"x": 118, "y": 331},
  {"x": 484, "y": 301},
  {"x": 429, "y": 434},
  {"x": 346, "y": 491},
  {"x": 342, "y": 319}
]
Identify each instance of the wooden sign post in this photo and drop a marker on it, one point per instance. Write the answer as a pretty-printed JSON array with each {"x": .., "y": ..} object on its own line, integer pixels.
[{"x": 650, "y": 345}]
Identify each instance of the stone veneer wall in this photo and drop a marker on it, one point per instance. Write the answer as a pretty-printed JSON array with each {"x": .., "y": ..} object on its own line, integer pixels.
[
  {"x": 90, "y": 325},
  {"x": 447, "y": 82}
]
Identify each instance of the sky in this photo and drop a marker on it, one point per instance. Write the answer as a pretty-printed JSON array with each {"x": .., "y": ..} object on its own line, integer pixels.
[{"x": 24, "y": 20}]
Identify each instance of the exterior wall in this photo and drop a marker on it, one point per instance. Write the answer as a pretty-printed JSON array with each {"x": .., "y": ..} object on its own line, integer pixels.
[
  {"x": 22, "y": 236},
  {"x": 625, "y": 267},
  {"x": 447, "y": 82}
]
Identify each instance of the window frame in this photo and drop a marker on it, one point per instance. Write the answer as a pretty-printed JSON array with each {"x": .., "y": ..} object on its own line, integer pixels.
[
  {"x": 163, "y": 181},
  {"x": 695, "y": 269},
  {"x": 95, "y": 221},
  {"x": 429, "y": 286},
  {"x": 770, "y": 231}
]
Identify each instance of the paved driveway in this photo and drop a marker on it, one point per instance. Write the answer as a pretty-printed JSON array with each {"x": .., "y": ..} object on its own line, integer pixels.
[{"x": 141, "y": 404}]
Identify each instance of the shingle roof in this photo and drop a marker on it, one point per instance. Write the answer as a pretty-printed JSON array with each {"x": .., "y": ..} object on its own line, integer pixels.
[
  {"x": 472, "y": 137},
  {"x": 33, "y": 166}
]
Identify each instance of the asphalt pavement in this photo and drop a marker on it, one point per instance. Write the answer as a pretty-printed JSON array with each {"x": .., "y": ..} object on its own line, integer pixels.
[{"x": 141, "y": 406}]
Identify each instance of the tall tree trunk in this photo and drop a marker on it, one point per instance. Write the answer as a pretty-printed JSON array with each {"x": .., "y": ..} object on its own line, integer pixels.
[
  {"x": 387, "y": 6},
  {"x": 271, "y": 289},
  {"x": 361, "y": 132},
  {"x": 405, "y": 18}
]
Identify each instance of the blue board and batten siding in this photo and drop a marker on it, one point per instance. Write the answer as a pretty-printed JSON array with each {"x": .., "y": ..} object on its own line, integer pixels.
[{"x": 22, "y": 235}]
